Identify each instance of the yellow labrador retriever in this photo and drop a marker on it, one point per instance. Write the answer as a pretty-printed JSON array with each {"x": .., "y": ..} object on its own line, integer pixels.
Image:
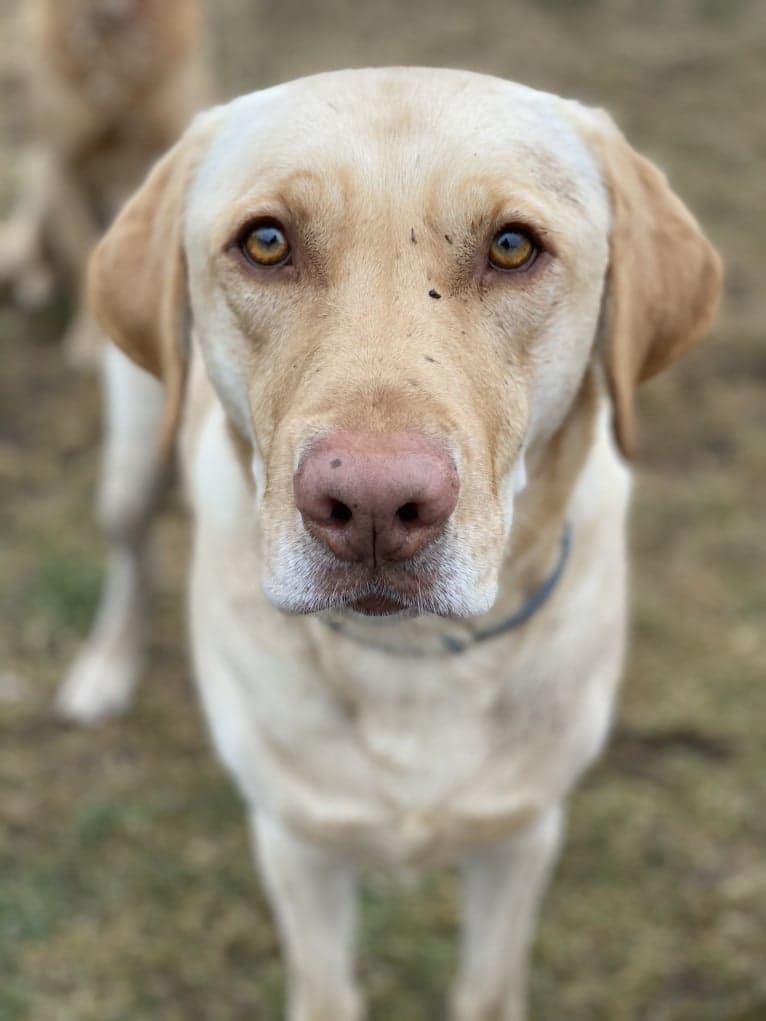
[{"x": 399, "y": 317}]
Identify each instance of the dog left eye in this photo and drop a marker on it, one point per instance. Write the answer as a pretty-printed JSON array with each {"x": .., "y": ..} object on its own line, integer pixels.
[
  {"x": 265, "y": 244},
  {"x": 513, "y": 248}
]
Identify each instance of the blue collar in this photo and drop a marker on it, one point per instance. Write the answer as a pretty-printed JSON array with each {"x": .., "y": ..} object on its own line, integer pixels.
[{"x": 451, "y": 645}]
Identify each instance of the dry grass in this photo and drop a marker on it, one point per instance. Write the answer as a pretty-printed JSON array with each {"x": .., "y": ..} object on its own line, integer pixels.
[{"x": 126, "y": 892}]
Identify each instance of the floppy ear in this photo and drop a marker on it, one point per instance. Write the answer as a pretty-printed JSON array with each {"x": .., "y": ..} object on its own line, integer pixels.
[
  {"x": 664, "y": 277},
  {"x": 137, "y": 273}
]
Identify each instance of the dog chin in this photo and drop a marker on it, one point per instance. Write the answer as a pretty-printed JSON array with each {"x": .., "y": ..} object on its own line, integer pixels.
[
  {"x": 375, "y": 604},
  {"x": 390, "y": 613},
  {"x": 378, "y": 605},
  {"x": 376, "y": 601}
]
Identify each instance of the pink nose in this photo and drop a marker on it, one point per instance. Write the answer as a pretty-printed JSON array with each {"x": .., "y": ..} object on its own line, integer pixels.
[{"x": 374, "y": 498}]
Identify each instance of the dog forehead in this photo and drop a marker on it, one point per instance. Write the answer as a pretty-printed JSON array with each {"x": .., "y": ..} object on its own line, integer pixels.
[{"x": 393, "y": 129}]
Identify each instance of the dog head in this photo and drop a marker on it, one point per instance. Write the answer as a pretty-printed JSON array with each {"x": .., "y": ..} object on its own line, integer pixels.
[{"x": 398, "y": 280}]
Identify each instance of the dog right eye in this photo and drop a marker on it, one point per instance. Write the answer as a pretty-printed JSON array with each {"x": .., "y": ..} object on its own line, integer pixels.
[
  {"x": 264, "y": 244},
  {"x": 513, "y": 248}
]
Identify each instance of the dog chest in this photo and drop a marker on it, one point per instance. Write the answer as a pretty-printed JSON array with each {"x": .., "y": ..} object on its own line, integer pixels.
[{"x": 400, "y": 766}]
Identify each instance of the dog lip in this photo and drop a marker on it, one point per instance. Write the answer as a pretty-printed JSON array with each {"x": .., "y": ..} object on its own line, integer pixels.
[
  {"x": 376, "y": 606},
  {"x": 391, "y": 591},
  {"x": 373, "y": 593},
  {"x": 370, "y": 596}
]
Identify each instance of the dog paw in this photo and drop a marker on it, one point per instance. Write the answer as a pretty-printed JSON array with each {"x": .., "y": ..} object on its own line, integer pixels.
[
  {"x": 345, "y": 1005},
  {"x": 34, "y": 287},
  {"x": 23, "y": 268},
  {"x": 83, "y": 343},
  {"x": 469, "y": 1005},
  {"x": 97, "y": 687}
]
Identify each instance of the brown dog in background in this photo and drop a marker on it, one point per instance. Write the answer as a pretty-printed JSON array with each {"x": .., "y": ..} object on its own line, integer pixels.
[{"x": 110, "y": 85}]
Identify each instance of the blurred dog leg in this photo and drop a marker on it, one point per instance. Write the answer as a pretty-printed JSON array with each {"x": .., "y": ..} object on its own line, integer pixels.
[
  {"x": 73, "y": 233},
  {"x": 103, "y": 678},
  {"x": 24, "y": 260},
  {"x": 48, "y": 237},
  {"x": 502, "y": 888},
  {"x": 312, "y": 893}
]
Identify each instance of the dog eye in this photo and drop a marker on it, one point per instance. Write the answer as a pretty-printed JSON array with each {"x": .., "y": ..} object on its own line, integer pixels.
[
  {"x": 512, "y": 248},
  {"x": 264, "y": 243}
]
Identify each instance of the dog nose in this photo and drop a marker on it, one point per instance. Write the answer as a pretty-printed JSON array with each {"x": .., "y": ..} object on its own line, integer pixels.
[{"x": 375, "y": 498}]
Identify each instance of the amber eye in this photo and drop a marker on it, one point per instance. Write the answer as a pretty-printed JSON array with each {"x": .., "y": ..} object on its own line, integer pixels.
[
  {"x": 265, "y": 244},
  {"x": 512, "y": 248}
]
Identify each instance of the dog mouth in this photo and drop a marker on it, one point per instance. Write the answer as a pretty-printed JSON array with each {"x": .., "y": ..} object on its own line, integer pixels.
[
  {"x": 377, "y": 606},
  {"x": 372, "y": 593},
  {"x": 380, "y": 596},
  {"x": 437, "y": 582}
]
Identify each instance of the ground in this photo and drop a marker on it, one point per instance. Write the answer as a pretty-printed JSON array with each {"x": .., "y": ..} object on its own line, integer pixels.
[{"x": 126, "y": 890}]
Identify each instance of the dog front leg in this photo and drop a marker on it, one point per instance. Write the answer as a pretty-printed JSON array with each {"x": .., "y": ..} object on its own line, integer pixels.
[
  {"x": 75, "y": 226},
  {"x": 25, "y": 265},
  {"x": 102, "y": 679},
  {"x": 502, "y": 888},
  {"x": 313, "y": 896}
]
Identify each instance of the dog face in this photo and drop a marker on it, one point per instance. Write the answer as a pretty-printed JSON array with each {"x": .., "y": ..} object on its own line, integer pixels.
[{"x": 396, "y": 279}]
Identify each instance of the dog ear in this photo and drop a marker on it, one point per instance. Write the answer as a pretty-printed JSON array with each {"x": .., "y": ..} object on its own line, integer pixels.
[
  {"x": 137, "y": 273},
  {"x": 664, "y": 277}
]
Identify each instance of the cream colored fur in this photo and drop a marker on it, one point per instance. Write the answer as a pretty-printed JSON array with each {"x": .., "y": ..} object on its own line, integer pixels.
[{"x": 391, "y": 184}]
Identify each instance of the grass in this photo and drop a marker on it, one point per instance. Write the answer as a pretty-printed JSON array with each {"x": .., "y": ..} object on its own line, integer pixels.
[{"x": 126, "y": 888}]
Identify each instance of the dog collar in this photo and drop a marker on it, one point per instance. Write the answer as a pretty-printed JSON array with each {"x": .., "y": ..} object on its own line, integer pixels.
[{"x": 452, "y": 645}]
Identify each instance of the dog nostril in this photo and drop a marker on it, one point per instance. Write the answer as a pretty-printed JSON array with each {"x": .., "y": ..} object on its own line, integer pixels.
[
  {"x": 408, "y": 512},
  {"x": 340, "y": 512}
]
